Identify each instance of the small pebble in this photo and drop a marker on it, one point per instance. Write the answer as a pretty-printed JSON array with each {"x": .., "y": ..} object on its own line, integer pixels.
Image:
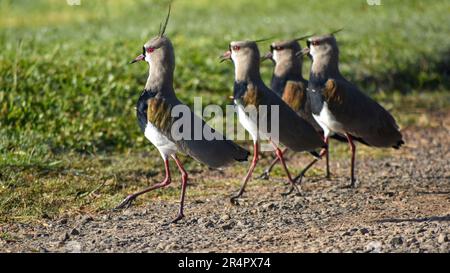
[
  {"x": 74, "y": 232},
  {"x": 442, "y": 238}
]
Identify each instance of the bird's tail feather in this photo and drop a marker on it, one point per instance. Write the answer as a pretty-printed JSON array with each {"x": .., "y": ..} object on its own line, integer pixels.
[
  {"x": 399, "y": 144},
  {"x": 315, "y": 154}
]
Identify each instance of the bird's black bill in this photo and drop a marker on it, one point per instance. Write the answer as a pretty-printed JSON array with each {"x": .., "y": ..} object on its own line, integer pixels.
[
  {"x": 138, "y": 58},
  {"x": 303, "y": 52},
  {"x": 267, "y": 56},
  {"x": 225, "y": 56}
]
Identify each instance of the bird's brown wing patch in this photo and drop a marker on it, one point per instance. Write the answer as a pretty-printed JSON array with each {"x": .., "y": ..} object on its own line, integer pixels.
[
  {"x": 294, "y": 95},
  {"x": 252, "y": 96},
  {"x": 159, "y": 114},
  {"x": 333, "y": 93},
  {"x": 361, "y": 116}
]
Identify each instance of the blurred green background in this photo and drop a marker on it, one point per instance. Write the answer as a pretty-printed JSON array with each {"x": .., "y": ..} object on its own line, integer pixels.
[
  {"x": 67, "y": 91},
  {"x": 65, "y": 82}
]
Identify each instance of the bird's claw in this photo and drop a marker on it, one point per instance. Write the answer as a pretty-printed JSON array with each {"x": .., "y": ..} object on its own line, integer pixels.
[
  {"x": 298, "y": 179},
  {"x": 292, "y": 189},
  {"x": 234, "y": 200},
  {"x": 174, "y": 221},
  {"x": 352, "y": 185},
  {"x": 288, "y": 192},
  {"x": 264, "y": 176},
  {"x": 178, "y": 218},
  {"x": 126, "y": 203}
]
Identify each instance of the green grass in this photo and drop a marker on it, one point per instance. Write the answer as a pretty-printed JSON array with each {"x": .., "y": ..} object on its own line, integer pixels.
[{"x": 67, "y": 95}]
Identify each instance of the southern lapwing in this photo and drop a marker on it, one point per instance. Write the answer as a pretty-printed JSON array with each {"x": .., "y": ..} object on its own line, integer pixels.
[
  {"x": 339, "y": 106},
  {"x": 250, "y": 91},
  {"x": 155, "y": 117},
  {"x": 288, "y": 82}
]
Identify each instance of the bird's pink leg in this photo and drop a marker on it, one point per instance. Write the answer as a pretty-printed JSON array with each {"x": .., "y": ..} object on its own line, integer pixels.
[
  {"x": 249, "y": 173},
  {"x": 184, "y": 178},
  {"x": 266, "y": 173},
  {"x": 279, "y": 154},
  {"x": 324, "y": 151},
  {"x": 327, "y": 159},
  {"x": 130, "y": 198},
  {"x": 299, "y": 177},
  {"x": 352, "y": 166}
]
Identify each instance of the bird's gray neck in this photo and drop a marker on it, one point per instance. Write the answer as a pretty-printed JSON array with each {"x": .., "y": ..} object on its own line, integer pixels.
[
  {"x": 160, "y": 78},
  {"x": 248, "y": 72},
  {"x": 291, "y": 70},
  {"x": 325, "y": 66}
]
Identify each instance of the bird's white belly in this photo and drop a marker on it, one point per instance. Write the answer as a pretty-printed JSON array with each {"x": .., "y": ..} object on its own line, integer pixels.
[
  {"x": 246, "y": 122},
  {"x": 328, "y": 122},
  {"x": 164, "y": 145}
]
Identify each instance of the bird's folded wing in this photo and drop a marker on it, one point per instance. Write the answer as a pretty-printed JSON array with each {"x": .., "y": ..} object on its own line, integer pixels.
[
  {"x": 294, "y": 131},
  {"x": 193, "y": 136},
  {"x": 361, "y": 116},
  {"x": 296, "y": 97}
]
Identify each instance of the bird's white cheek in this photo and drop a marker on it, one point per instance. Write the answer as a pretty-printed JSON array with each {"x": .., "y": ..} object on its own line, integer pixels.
[
  {"x": 312, "y": 51},
  {"x": 147, "y": 58},
  {"x": 236, "y": 63},
  {"x": 233, "y": 56},
  {"x": 275, "y": 56}
]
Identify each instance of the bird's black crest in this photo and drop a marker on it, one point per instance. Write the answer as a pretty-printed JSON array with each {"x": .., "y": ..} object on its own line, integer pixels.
[
  {"x": 336, "y": 31},
  {"x": 263, "y": 40},
  {"x": 162, "y": 27},
  {"x": 304, "y": 37}
]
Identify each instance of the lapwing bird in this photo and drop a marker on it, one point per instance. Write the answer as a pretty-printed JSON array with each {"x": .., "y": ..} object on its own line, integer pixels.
[
  {"x": 155, "y": 118},
  {"x": 288, "y": 82},
  {"x": 249, "y": 90},
  {"x": 339, "y": 106}
]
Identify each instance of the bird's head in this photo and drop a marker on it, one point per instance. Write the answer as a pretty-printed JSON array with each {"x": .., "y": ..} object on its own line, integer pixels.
[
  {"x": 241, "y": 52},
  {"x": 283, "y": 51},
  {"x": 322, "y": 46},
  {"x": 158, "y": 49},
  {"x": 245, "y": 57}
]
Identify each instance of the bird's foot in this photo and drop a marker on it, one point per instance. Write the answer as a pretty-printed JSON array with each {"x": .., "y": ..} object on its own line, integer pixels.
[
  {"x": 298, "y": 179},
  {"x": 174, "y": 221},
  {"x": 126, "y": 203},
  {"x": 234, "y": 199},
  {"x": 291, "y": 190},
  {"x": 352, "y": 184},
  {"x": 288, "y": 192},
  {"x": 264, "y": 176}
]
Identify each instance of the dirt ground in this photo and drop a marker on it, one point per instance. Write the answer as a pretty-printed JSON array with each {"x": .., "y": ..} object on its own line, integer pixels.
[{"x": 401, "y": 204}]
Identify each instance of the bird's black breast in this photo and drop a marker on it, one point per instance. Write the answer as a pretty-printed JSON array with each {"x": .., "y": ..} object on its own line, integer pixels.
[
  {"x": 314, "y": 93},
  {"x": 277, "y": 84},
  {"x": 239, "y": 89},
  {"x": 141, "y": 108}
]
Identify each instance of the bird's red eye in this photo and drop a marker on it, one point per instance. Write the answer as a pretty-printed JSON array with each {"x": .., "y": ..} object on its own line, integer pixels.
[
  {"x": 315, "y": 43},
  {"x": 279, "y": 48},
  {"x": 236, "y": 48},
  {"x": 150, "y": 49}
]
